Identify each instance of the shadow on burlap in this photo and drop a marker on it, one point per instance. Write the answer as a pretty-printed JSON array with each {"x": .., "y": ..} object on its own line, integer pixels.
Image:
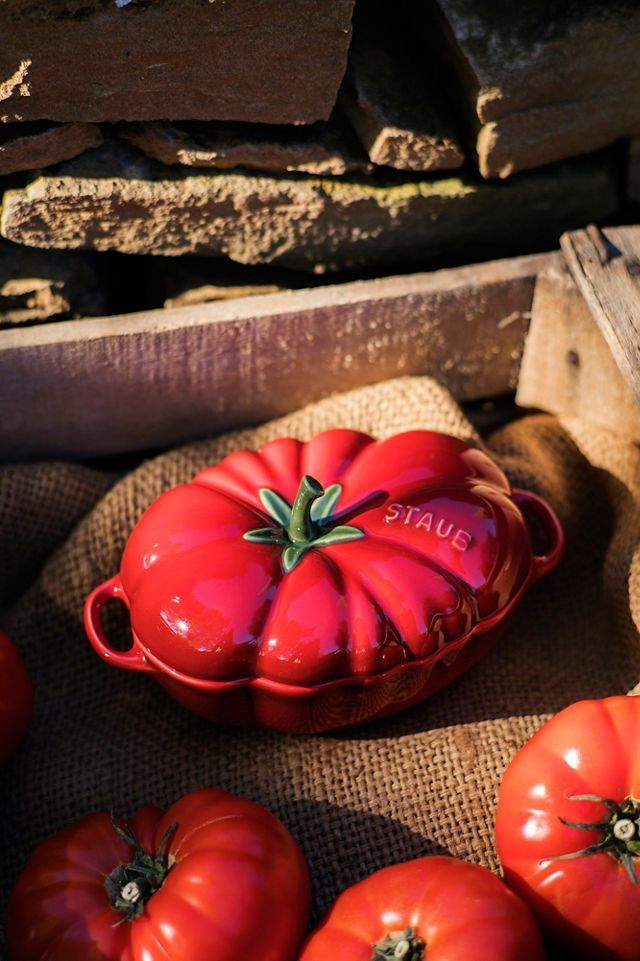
[{"x": 420, "y": 782}]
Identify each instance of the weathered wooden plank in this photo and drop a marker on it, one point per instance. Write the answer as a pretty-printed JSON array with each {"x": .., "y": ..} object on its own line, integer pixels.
[
  {"x": 567, "y": 367},
  {"x": 153, "y": 379},
  {"x": 606, "y": 267},
  {"x": 390, "y": 99},
  {"x": 114, "y": 198},
  {"x": 276, "y": 61},
  {"x": 539, "y": 81}
]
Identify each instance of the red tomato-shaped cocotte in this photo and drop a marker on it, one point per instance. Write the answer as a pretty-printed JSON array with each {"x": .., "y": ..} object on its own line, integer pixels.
[
  {"x": 568, "y": 827},
  {"x": 16, "y": 698},
  {"x": 430, "y": 909},
  {"x": 215, "y": 877},
  {"x": 308, "y": 586}
]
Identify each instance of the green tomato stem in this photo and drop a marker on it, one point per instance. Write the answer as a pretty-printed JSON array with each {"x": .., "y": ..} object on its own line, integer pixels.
[
  {"x": 298, "y": 532},
  {"x": 129, "y": 886},
  {"x": 619, "y": 832},
  {"x": 399, "y": 946},
  {"x": 301, "y": 528}
]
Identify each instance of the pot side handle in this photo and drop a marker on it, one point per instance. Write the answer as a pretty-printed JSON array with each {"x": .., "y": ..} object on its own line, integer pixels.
[
  {"x": 131, "y": 660},
  {"x": 543, "y": 563}
]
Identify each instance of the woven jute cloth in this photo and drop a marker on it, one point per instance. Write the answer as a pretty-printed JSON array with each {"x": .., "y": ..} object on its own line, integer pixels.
[{"x": 419, "y": 782}]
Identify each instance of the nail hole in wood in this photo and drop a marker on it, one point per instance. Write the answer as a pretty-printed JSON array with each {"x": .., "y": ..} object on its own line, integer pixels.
[{"x": 573, "y": 358}]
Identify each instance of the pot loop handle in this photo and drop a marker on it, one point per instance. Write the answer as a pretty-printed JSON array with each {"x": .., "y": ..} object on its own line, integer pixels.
[
  {"x": 543, "y": 563},
  {"x": 131, "y": 660}
]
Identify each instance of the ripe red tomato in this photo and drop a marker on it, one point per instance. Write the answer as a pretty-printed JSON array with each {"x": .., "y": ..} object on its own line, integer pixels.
[
  {"x": 568, "y": 827},
  {"x": 433, "y": 908},
  {"x": 215, "y": 877},
  {"x": 16, "y": 698}
]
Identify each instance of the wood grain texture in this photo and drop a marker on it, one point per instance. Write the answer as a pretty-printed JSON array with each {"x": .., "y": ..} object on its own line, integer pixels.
[
  {"x": 606, "y": 267},
  {"x": 567, "y": 366},
  {"x": 153, "y": 379}
]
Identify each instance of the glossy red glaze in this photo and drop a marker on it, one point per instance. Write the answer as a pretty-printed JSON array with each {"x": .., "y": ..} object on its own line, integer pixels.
[
  {"x": 356, "y": 629},
  {"x": 16, "y": 698}
]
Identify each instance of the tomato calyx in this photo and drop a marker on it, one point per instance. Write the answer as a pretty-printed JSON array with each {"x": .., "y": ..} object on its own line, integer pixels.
[
  {"x": 129, "y": 886},
  {"x": 399, "y": 946},
  {"x": 305, "y": 524},
  {"x": 619, "y": 832}
]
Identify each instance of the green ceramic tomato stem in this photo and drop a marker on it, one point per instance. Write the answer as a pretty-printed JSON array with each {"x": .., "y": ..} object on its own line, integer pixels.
[
  {"x": 298, "y": 532},
  {"x": 301, "y": 529}
]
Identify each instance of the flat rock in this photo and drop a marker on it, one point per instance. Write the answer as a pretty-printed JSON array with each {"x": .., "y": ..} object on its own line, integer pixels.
[
  {"x": 320, "y": 148},
  {"x": 540, "y": 81},
  {"x": 391, "y": 99},
  {"x": 27, "y": 146},
  {"x": 113, "y": 198},
  {"x": 633, "y": 175},
  {"x": 187, "y": 281},
  {"x": 37, "y": 286},
  {"x": 276, "y": 61}
]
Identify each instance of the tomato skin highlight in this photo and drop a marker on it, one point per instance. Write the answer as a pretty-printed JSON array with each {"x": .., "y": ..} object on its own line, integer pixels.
[
  {"x": 459, "y": 910},
  {"x": 589, "y": 903},
  {"x": 237, "y": 887},
  {"x": 16, "y": 698}
]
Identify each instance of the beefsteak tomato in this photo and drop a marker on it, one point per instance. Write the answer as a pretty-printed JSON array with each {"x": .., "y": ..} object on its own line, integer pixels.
[
  {"x": 431, "y": 909},
  {"x": 568, "y": 827},
  {"x": 213, "y": 877},
  {"x": 16, "y": 698}
]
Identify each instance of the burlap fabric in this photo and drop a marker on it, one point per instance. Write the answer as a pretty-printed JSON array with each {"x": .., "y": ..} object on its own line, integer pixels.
[{"x": 419, "y": 782}]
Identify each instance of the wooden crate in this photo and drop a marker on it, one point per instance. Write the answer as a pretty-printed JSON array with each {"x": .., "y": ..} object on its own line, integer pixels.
[{"x": 149, "y": 380}]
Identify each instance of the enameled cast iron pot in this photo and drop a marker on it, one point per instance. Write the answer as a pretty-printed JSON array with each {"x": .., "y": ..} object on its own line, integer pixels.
[{"x": 310, "y": 586}]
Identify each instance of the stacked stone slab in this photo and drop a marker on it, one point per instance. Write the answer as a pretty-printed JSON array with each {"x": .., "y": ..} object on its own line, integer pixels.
[
  {"x": 327, "y": 147},
  {"x": 541, "y": 81},
  {"x": 188, "y": 281},
  {"x": 250, "y": 142},
  {"x": 392, "y": 99},
  {"x": 124, "y": 201},
  {"x": 37, "y": 286},
  {"x": 25, "y": 146},
  {"x": 277, "y": 61},
  {"x": 633, "y": 174}
]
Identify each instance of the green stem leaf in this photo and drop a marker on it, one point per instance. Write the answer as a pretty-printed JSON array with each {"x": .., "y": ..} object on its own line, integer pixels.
[
  {"x": 291, "y": 557},
  {"x": 275, "y": 506},
  {"x": 325, "y": 505},
  {"x": 266, "y": 535},
  {"x": 338, "y": 535}
]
